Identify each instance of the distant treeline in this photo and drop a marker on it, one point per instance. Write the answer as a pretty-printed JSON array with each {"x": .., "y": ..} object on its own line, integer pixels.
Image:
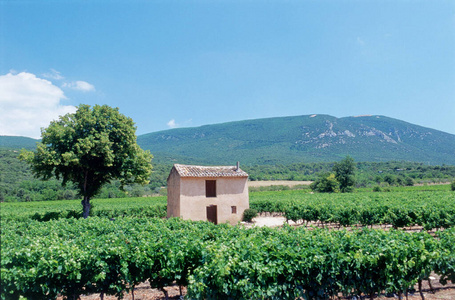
[
  {"x": 18, "y": 184},
  {"x": 367, "y": 173}
]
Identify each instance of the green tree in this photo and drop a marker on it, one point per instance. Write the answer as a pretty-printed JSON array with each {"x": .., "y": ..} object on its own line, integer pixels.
[
  {"x": 326, "y": 183},
  {"x": 390, "y": 179},
  {"x": 90, "y": 148},
  {"x": 344, "y": 173}
]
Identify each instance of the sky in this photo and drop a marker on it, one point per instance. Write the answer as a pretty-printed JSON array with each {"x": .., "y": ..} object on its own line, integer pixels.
[{"x": 170, "y": 64}]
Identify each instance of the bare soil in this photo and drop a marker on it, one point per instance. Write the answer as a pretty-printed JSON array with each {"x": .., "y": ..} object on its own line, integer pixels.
[
  {"x": 277, "y": 182},
  {"x": 144, "y": 292}
]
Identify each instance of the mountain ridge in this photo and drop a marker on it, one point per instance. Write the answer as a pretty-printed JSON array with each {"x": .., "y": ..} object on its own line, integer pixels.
[
  {"x": 295, "y": 139},
  {"x": 307, "y": 138}
]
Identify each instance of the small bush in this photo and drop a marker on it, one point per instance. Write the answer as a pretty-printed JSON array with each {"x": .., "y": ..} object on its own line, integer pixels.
[
  {"x": 326, "y": 183},
  {"x": 249, "y": 214},
  {"x": 452, "y": 186},
  {"x": 409, "y": 181},
  {"x": 377, "y": 189}
]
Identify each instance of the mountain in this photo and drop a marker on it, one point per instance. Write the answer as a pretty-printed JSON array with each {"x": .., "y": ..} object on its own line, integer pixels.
[
  {"x": 286, "y": 140},
  {"x": 310, "y": 138},
  {"x": 17, "y": 142}
]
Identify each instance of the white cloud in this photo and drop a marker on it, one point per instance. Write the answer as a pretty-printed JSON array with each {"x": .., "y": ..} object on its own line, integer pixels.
[
  {"x": 82, "y": 86},
  {"x": 28, "y": 103},
  {"x": 54, "y": 74},
  {"x": 172, "y": 124}
]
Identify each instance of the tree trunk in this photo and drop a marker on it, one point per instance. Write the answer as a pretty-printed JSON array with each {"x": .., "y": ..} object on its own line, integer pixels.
[
  {"x": 420, "y": 290},
  {"x": 85, "y": 207},
  {"x": 431, "y": 286},
  {"x": 86, "y": 202},
  {"x": 166, "y": 294}
]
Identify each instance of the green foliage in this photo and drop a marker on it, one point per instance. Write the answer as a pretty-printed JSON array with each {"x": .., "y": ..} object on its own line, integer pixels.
[
  {"x": 366, "y": 174},
  {"x": 18, "y": 184},
  {"x": 71, "y": 257},
  {"x": 302, "y": 139},
  {"x": 45, "y": 251},
  {"x": 452, "y": 186},
  {"x": 249, "y": 214},
  {"x": 341, "y": 180},
  {"x": 299, "y": 139},
  {"x": 390, "y": 179},
  {"x": 408, "y": 181},
  {"x": 344, "y": 174},
  {"x": 17, "y": 142},
  {"x": 377, "y": 189},
  {"x": 90, "y": 148},
  {"x": 435, "y": 209},
  {"x": 109, "y": 208},
  {"x": 326, "y": 183}
]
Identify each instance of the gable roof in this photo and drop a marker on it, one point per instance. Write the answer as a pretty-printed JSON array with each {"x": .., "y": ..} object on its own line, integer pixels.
[{"x": 209, "y": 171}]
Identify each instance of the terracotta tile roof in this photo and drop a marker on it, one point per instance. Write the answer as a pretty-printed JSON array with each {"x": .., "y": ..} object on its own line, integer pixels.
[{"x": 210, "y": 171}]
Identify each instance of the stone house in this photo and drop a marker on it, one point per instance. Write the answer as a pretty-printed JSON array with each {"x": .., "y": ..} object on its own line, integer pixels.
[{"x": 217, "y": 194}]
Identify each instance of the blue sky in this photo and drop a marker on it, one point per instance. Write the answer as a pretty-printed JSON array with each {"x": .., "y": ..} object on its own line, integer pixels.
[{"x": 188, "y": 63}]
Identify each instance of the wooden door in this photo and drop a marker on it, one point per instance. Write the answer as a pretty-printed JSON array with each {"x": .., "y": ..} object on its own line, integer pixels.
[{"x": 211, "y": 214}]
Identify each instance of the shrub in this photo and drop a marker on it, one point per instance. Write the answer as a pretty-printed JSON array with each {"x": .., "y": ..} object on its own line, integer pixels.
[
  {"x": 377, "y": 189},
  {"x": 452, "y": 186},
  {"x": 327, "y": 183},
  {"x": 409, "y": 181},
  {"x": 249, "y": 214}
]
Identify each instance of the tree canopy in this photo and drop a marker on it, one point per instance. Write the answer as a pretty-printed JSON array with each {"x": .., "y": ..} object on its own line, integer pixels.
[
  {"x": 344, "y": 173},
  {"x": 90, "y": 148},
  {"x": 326, "y": 183},
  {"x": 341, "y": 179}
]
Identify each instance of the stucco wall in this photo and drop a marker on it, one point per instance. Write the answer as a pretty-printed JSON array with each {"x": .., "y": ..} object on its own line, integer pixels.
[
  {"x": 173, "y": 194},
  {"x": 230, "y": 192}
]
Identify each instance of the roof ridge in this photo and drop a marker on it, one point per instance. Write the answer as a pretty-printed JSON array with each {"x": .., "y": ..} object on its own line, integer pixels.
[{"x": 209, "y": 171}]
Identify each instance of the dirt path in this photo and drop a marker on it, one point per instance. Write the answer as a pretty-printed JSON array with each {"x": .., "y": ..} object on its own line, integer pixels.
[
  {"x": 277, "y": 182},
  {"x": 144, "y": 292}
]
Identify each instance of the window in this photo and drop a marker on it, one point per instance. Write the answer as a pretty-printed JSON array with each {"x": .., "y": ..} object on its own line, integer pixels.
[
  {"x": 210, "y": 188},
  {"x": 233, "y": 209}
]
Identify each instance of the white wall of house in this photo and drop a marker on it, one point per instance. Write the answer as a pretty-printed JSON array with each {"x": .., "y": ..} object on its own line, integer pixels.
[
  {"x": 173, "y": 194},
  {"x": 187, "y": 198}
]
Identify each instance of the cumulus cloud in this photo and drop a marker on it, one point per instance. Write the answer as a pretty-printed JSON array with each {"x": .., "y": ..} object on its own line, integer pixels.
[
  {"x": 172, "y": 124},
  {"x": 28, "y": 103},
  {"x": 82, "y": 86}
]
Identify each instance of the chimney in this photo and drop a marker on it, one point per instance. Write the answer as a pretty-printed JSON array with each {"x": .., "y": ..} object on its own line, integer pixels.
[{"x": 237, "y": 168}]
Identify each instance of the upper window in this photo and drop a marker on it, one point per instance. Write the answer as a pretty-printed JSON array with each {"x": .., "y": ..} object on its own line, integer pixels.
[{"x": 210, "y": 188}]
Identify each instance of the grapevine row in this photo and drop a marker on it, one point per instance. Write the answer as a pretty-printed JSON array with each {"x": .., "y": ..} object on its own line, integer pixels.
[
  {"x": 40, "y": 260},
  {"x": 429, "y": 210}
]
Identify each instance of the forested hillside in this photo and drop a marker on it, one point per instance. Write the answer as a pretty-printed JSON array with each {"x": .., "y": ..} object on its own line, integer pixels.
[
  {"x": 387, "y": 152},
  {"x": 315, "y": 138},
  {"x": 17, "y": 142},
  {"x": 18, "y": 184},
  {"x": 289, "y": 140}
]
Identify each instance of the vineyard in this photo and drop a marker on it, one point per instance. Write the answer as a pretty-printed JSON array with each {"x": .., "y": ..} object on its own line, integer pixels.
[
  {"x": 111, "y": 208},
  {"x": 431, "y": 210},
  {"x": 46, "y": 251}
]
